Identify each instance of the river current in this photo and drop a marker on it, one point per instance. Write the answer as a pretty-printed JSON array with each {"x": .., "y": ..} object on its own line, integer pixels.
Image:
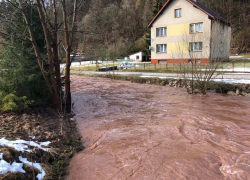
[{"x": 149, "y": 132}]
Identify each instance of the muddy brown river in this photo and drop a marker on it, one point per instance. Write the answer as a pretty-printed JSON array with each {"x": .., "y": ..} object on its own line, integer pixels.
[{"x": 149, "y": 132}]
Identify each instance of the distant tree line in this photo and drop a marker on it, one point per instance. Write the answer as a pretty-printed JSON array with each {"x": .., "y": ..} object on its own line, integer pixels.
[
  {"x": 116, "y": 28},
  {"x": 237, "y": 12}
]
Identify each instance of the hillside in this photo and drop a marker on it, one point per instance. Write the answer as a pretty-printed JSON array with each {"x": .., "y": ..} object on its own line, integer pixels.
[{"x": 116, "y": 28}]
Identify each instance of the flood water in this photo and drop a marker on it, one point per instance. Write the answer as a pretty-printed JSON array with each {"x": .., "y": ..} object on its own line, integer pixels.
[{"x": 149, "y": 132}]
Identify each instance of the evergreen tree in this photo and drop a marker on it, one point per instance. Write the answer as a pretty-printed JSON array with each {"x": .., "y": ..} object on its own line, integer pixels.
[{"x": 21, "y": 82}]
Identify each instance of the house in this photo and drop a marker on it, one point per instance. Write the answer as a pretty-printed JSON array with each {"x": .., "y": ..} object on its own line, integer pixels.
[
  {"x": 185, "y": 30},
  {"x": 138, "y": 56}
]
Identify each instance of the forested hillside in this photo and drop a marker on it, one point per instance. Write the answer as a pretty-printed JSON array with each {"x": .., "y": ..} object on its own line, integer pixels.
[
  {"x": 109, "y": 29},
  {"x": 116, "y": 28},
  {"x": 237, "y": 12}
]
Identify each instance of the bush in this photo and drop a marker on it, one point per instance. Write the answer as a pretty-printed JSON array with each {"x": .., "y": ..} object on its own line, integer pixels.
[
  {"x": 21, "y": 82},
  {"x": 11, "y": 102}
]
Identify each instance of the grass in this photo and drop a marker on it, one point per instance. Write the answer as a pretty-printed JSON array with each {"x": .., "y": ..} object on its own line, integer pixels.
[
  {"x": 241, "y": 64},
  {"x": 240, "y": 61},
  {"x": 84, "y": 68},
  {"x": 246, "y": 55}
]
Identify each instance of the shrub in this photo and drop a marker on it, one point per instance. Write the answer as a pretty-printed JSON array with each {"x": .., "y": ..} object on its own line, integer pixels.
[{"x": 11, "y": 102}]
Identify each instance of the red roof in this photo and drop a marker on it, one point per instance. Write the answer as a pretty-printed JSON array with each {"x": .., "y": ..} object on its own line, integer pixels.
[{"x": 196, "y": 4}]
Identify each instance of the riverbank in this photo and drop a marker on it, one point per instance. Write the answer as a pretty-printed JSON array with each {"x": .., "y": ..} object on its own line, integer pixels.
[
  {"x": 236, "y": 89},
  {"x": 47, "y": 140}
]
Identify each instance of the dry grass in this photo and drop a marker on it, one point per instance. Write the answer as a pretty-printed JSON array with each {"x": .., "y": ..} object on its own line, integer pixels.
[{"x": 246, "y": 55}]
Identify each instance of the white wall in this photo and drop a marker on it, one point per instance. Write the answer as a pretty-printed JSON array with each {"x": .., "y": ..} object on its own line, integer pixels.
[{"x": 132, "y": 57}]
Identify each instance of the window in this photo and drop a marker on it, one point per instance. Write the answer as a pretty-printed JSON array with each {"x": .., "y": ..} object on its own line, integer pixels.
[
  {"x": 161, "y": 48},
  {"x": 162, "y": 61},
  {"x": 177, "y": 13},
  {"x": 195, "y": 46},
  {"x": 197, "y": 61},
  {"x": 137, "y": 57},
  {"x": 196, "y": 27},
  {"x": 161, "y": 31}
]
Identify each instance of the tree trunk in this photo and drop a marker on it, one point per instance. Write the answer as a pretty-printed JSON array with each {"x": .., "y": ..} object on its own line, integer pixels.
[{"x": 67, "y": 102}]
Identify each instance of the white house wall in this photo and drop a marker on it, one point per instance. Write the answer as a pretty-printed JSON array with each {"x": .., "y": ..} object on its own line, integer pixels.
[{"x": 140, "y": 54}]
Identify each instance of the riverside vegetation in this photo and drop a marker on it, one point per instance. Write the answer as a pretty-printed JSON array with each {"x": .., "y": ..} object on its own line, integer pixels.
[{"x": 26, "y": 105}]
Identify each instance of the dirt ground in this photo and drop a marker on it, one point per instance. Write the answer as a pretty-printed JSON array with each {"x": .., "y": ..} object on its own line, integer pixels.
[
  {"x": 144, "y": 132},
  {"x": 40, "y": 125}
]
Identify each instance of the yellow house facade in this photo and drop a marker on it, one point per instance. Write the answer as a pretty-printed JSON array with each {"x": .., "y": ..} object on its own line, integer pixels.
[{"x": 185, "y": 30}]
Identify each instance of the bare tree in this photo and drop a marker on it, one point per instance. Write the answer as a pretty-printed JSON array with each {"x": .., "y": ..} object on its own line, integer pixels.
[{"x": 201, "y": 55}]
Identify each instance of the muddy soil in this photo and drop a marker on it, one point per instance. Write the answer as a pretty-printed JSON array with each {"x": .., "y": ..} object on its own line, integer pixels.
[{"x": 146, "y": 132}]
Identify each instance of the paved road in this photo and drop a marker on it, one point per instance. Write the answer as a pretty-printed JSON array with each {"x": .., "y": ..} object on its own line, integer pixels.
[{"x": 226, "y": 77}]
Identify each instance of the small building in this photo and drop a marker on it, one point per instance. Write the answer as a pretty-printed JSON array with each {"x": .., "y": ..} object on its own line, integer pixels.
[
  {"x": 138, "y": 56},
  {"x": 184, "y": 31}
]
